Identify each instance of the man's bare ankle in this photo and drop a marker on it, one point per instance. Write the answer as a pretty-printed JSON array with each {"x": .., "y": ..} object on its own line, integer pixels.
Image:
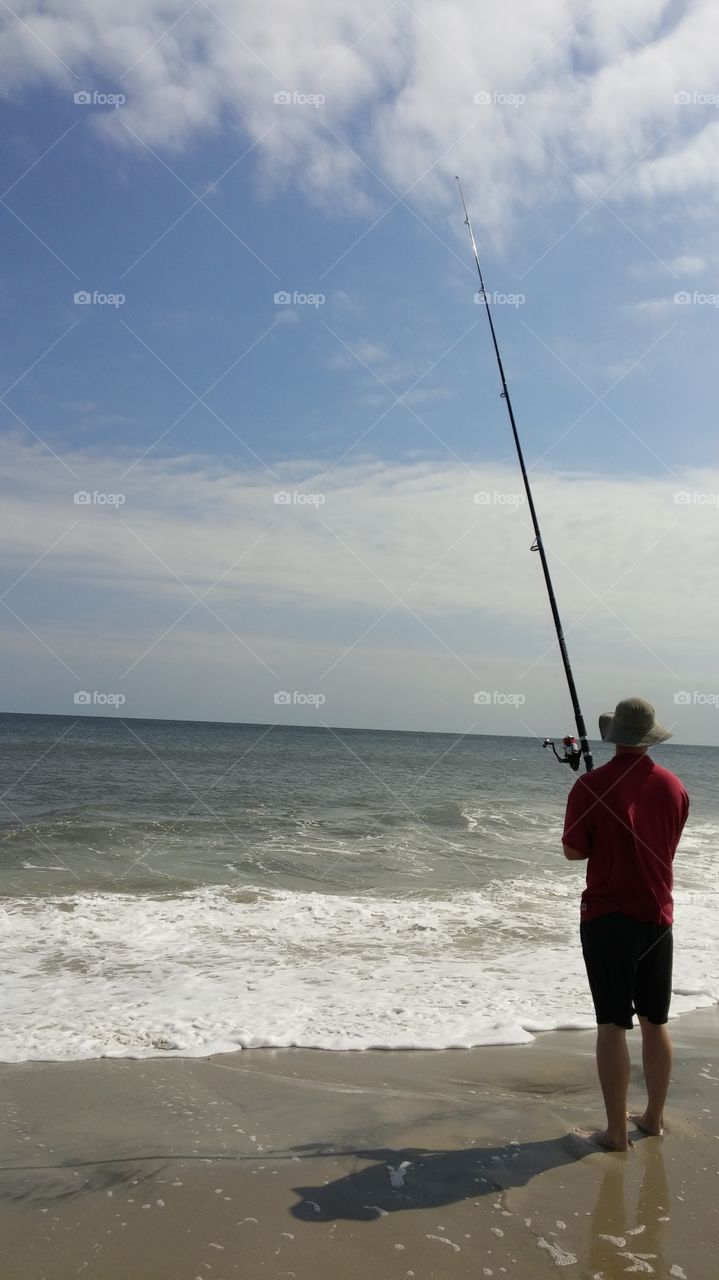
[{"x": 648, "y": 1122}]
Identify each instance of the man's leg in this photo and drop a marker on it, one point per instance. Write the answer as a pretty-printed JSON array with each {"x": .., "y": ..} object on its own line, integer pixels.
[
  {"x": 613, "y": 1067},
  {"x": 606, "y": 944},
  {"x": 652, "y": 997},
  {"x": 657, "y": 1063}
]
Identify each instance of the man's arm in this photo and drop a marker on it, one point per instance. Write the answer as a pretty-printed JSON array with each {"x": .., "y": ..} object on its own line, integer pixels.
[
  {"x": 576, "y": 838},
  {"x": 573, "y": 855}
]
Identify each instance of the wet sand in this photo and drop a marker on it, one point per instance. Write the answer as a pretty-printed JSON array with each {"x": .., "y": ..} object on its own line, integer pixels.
[{"x": 304, "y": 1164}]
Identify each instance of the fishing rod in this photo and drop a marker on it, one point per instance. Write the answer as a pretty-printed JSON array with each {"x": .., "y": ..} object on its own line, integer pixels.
[{"x": 572, "y": 753}]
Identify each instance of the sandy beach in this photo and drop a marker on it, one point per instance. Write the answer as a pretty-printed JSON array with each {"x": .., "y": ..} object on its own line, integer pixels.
[{"x": 298, "y": 1164}]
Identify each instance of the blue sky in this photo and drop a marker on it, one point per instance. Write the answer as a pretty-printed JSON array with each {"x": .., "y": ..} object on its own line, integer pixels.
[
  {"x": 200, "y": 297},
  {"x": 198, "y": 397}
]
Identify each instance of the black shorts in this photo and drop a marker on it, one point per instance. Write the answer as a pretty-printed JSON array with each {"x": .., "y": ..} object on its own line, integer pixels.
[{"x": 629, "y": 966}]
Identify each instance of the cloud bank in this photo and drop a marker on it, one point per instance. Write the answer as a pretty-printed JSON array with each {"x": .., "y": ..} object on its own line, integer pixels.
[
  {"x": 529, "y": 102},
  {"x": 412, "y": 577}
]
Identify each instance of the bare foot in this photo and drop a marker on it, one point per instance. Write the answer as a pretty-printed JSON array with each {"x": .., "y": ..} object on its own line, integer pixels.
[
  {"x": 646, "y": 1126},
  {"x": 604, "y": 1140}
]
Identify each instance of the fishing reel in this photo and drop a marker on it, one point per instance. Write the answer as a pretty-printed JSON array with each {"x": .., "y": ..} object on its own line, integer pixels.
[{"x": 572, "y": 751}]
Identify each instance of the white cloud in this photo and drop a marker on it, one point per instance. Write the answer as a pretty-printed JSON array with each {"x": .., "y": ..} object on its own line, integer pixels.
[
  {"x": 399, "y": 82},
  {"x": 375, "y": 365},
  {"x": 380, "y": 529},
  {"x": 690, "y": 264},
  {"x": 652, "y": 307},
  {"x": 400, "y": 595},
  {"x": 685, "y": 264}
]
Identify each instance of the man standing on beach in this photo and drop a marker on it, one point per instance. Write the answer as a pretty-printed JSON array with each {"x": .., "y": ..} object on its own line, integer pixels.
[{"x": 626, "y": 818}]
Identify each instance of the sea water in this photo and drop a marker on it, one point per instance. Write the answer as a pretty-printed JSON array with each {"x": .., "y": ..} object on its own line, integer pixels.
[{"x": 183, "y": 888}]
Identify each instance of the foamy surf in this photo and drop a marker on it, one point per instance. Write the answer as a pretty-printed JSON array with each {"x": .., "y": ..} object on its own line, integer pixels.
[
  {"x": 224, "y": 968},
  {"x": 344, "y": 890}
]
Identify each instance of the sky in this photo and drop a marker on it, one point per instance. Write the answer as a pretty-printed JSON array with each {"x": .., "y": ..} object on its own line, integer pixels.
[{"x": 256, "y": 463}]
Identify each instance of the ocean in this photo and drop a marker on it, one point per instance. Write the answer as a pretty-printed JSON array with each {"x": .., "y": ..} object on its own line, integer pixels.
[{"x": 180, "y": 888}]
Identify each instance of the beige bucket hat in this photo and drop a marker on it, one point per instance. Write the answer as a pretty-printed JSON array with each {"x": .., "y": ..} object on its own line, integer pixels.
[{"x": 633, "y": 724}]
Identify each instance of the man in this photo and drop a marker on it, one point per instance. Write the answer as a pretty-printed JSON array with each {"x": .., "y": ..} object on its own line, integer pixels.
[{"x": 626, "y": 818}]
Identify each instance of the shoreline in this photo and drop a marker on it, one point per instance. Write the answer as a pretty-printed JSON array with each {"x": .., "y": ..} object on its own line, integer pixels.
[
  {"x": 307, "y": 1162},
  {"x": 167, "y": 1053}
]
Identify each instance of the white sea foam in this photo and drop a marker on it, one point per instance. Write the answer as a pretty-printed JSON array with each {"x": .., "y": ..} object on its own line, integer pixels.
[{"x": 222, "y": 968}]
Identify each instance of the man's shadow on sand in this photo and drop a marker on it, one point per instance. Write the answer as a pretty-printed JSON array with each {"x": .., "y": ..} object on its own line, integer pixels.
[{"x": 418, "y": 1178}]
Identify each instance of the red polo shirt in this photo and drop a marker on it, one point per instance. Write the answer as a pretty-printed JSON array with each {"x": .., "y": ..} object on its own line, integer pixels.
[{"x": 626, "y": 818}]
